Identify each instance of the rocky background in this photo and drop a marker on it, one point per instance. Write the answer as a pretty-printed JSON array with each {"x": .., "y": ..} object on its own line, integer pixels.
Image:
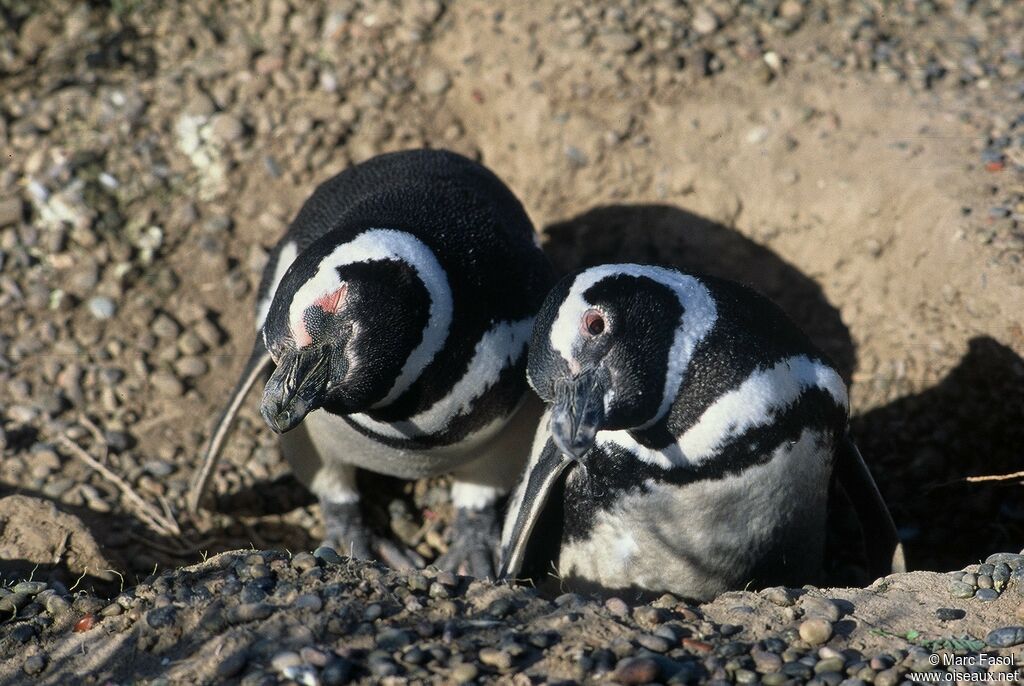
[{"x": 861, "y": 162}]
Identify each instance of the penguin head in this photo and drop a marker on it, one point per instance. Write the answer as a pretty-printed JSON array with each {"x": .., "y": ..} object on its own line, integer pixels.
[
  {"x": 610, "y": 348},
  {"x": 352, "y": 325}
]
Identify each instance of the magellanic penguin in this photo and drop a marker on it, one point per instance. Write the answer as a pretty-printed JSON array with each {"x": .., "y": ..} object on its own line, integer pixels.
[
  {"x": 395, "y": 314},
  {"x": 690, "y": 442}
]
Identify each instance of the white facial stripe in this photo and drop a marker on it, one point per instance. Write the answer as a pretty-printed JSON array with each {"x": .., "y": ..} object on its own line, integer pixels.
[
  {"x": 387, "y": 244},
  {"x": 284, "y": 260},
  {"x": 699, "y": 315},
  {"x": 756, "y": 402},
  {"x": 497, "y": 349}
]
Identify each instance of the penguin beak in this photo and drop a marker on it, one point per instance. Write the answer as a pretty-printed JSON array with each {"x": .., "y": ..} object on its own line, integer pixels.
[
  {"x": 296, "y": 387},
  {"x": 578, "y": 412}
]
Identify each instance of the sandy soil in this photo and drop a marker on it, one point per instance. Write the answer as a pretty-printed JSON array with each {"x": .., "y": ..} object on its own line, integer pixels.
[{"x": 865, "y": 168}]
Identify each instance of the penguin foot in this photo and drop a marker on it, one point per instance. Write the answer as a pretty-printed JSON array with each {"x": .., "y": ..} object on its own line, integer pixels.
[
  {"x": 347, "y": 533},
  {"x": 471, "y": 551}
]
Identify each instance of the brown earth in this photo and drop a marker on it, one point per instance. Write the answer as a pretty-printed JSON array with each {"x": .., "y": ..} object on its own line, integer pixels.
[{"x": 154, "y": 152}]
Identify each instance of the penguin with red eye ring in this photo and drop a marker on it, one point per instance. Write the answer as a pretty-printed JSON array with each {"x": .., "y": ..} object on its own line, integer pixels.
[
  {"x": 394, "y": 316},
  {"x": 691, "y": 443}
]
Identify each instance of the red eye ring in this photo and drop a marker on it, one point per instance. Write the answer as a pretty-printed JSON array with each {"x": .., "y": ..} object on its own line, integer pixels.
[{"x": 593, "y": 323}]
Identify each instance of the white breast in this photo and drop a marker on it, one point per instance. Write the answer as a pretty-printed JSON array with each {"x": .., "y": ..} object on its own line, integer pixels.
[{"x": 702, "y": 539}]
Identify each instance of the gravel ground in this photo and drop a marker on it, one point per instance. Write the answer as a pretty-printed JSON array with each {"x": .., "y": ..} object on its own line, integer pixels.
[{"x": 862, "y": 163}]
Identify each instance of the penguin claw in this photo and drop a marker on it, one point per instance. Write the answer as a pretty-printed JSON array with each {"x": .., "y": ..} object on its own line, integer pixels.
[
  {"x": 349, "y": 535},
  {"x": 471, "y": 551}
]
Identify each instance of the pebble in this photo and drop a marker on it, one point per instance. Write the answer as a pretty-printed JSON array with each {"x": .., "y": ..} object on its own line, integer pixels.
[
  {"x": 766, "y": 661},
  {"x": 464, "y": 672},
  {"x": 617, "y": 606},
  {"x": 704, "y": 21},
  {"x": 815, "y": 606},
  {"x": 618, "y": 41},
  {"x": 284, "y": 660},
  {"x": 816, "y": 630},
  {"x": 233, "y": 664},
  {"x": 948, "y": 614},
  {"x": 986, "y": 594},
  {"x": 167, "y": 384},
  {"x": 11, "y": 211},
  {"x": 655, "y": 644},
  {"x": 636, "y": 670},
  {"x": 499, "y": 659},
  {"x": 101, "y": 307},
  {"x": 34, "y": 664},
  {"x": 1006, "y": 637},
  {"x": 778, "y": 595},
  {"x": 959, "y": 589},
  {"x": 435, "y": 81},
  {"x": 328, "y": 555}
]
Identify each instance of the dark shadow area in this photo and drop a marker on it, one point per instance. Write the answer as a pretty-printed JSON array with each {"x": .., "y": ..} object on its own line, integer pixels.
[
  {"x": 922, "y": 447},
  {"x": 82, "y": 548},
  {"x": 672, "y": 237}
]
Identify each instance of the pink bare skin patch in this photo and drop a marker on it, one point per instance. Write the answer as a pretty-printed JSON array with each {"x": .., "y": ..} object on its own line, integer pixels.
[{"x": 329, "y": 303}]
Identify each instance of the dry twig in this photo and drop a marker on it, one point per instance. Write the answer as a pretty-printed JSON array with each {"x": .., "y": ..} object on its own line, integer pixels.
[
  {"x": 150, "y": 515},
  {"x": 996, "y": 477}
]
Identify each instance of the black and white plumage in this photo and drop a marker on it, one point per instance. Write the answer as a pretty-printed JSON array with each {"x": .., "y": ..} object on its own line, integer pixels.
[
  {"x": 690, "y": 441},
  {"x": 395, "y": 314}
]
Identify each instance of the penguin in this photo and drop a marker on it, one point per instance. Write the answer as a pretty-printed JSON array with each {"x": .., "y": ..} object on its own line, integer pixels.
[
  {"x": 690, "y": 443},
  {"x": 393, "y": 319}
]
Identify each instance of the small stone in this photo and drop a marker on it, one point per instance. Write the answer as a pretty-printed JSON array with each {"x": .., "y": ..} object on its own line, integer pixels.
[
  {"x": 284, "y": 660},
  {"x": 226, "y": 128},
  {"x": 34, "y": 664},
  {"x": 958, "y": 589},
  {"x": 309, "y": 601},
  {"x": 617, "y": 606},
  {"x": 1010, "y": 559},
  {"x": 986, "y": 594},
  {"x": 816, "y": 630},
  {"x": 704, "y": 21},
  {"x": 655, "y": 644},
  {"x": 636, "y": 670},
  {"x": 464, "y": 672},
  {"x": 57, "y": 605},
  {"x": 984, "y": 581},
  {"x": 435, "y": 81},
  {"x": 249, "y": 612},
  {"x": 820, "y": 607},
  {"x": 618, "y": 41},
  {"x": 328, "y": 555},
  {"x": 499, "y": 659},
  {"x": 191, "y": 366},
  {"x": 765, "y": 661},
  {"x": 166, "y": 384},
  {"x": 162, "y": 617},
  {"x": 11, "y": 211},
  {"x": 233, "y": 664},
  {"x": 393, "y": 639},
  {"x": 101, "y": 307},
  {"x": 778, "y": 595},
  {"x": 887, "y": 677},
  {"x": 949, "y": 614},
  {"x": 1006, "y": 637},
  {"x": 30, "y": 587}
]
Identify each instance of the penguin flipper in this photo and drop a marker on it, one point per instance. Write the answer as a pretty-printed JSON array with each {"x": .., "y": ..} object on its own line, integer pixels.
[
  {"x": 259, "y": 363},
  {"x": 884, "y": 549},
  {"x": 521, "y": 550}
]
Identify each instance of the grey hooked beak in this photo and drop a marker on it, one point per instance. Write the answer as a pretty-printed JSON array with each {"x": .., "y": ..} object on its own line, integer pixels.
[
  {"x": 578, "y": 412},
  {"x": 296, "y": 388}
]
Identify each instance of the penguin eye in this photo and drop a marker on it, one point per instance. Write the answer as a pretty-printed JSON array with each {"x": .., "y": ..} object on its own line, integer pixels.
[{"x": 593, "y": 323}]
